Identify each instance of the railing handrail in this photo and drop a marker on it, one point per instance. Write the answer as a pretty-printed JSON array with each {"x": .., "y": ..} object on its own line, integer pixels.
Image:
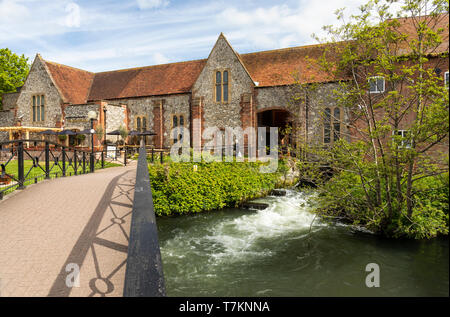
[
  {"x": 44, "y": 141},
  {"x": 144, "y": 274}
]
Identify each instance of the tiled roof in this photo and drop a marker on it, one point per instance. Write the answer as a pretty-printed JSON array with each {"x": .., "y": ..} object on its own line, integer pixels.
[
  {"x": 164, "y": 79},
  {"x": 409, "y": 25},
  {"x": 267, "y": 68},
  {"x": 73, "y": 83},
  {"x": 284, "y": 66}
]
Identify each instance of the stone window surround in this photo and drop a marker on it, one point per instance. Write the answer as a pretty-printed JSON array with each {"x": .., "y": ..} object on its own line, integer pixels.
[
  {"x": 40, "y": 94},
  {"x": 141, "y": 117},
  {"x": 221, "y": 70},
  {"x": 332, "y": 123},
  {"x": 178, "y": 115}
]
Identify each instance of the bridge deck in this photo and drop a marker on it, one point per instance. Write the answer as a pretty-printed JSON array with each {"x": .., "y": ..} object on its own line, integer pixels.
[{"x": 83, "y": 220}]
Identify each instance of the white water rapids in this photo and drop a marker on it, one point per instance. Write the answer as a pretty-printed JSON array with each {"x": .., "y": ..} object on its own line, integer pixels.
[{"x": 239, "y": 238}]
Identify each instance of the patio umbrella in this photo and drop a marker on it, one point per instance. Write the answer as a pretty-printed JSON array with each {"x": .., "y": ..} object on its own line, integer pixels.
[
  {"x": 85, "y": 131},
  {"x": 49, "y": 132},
  {"x": 147, "y": 133},
  {"x": 115, "y": 132},
  {"x": 133, "y": 133},
  {"x": 67, "y": 132}
]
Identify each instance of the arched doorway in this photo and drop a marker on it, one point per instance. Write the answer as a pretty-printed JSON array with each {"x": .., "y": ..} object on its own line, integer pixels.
[{"x": 280, "y": 118}]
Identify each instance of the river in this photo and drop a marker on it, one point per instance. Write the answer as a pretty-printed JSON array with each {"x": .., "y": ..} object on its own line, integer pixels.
[{"x": 277, "y": 252}]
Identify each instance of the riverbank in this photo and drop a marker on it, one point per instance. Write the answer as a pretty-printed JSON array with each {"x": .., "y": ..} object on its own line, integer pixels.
[
  {"x": 184, "y": 188},
  {"x": 281, "y": 251}
]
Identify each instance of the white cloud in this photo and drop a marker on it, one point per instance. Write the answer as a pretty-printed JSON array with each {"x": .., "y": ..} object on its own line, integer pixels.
[
  {"x": 73, "y": 15},
  {"x": 12, "y": 11},
  {"x": 150, "y": 4}
]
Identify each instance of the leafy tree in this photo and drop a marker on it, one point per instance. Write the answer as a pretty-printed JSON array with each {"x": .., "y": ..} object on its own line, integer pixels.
[
  {"x": 13, "y": 71},
  {"x": 395, "y": 136}
]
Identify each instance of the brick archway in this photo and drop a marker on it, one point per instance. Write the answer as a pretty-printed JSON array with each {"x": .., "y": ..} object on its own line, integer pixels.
[{"x": 277, "y": 117}]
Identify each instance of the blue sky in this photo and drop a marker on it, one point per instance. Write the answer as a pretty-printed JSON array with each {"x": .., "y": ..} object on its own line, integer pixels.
[{"x": 106, "y": 35}]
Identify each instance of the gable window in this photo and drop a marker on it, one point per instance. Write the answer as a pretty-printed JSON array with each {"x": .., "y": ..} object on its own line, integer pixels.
[
  {"x": 446, "y": 79},
  {"x": 403, "y": 139},
  {"x": 38, "y": 108},
  {"x": 177, "y": 127},
  {"x": 376, "y": 85},
  {"x": 221, "y": 83},
  {"x": 141, "y": 123},
  {"x": 332, "y": 125}
]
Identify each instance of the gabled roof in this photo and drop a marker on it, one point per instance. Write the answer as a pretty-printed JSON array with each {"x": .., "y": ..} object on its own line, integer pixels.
[
  {"x": 267, "y": 68},
  {"x": 164, "y": 79},
  {"x": 73, "y": 83}
]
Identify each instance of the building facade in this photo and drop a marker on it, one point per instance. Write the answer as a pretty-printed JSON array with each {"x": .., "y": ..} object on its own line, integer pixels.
[{"x": 227, "y": 89}]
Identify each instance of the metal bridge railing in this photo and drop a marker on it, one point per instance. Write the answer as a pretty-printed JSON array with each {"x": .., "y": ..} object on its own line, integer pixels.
[
  {"x": 144, "y": 274},
  {"x": 22, "y": 164}
]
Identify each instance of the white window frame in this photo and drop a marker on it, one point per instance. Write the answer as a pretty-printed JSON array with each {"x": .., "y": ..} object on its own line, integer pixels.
[
  {"x": 376, "y": 86},
  {"x": 401, "y": 144},
  {"x": 446, "y": 83}
]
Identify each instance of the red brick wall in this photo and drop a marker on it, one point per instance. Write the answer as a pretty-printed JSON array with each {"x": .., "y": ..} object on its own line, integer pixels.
[{"x": 158, "y": 123}]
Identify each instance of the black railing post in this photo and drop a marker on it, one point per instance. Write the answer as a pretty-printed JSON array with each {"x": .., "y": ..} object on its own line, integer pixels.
[
  {"x": 144, "y": 273},
  {"x": 162, "y": 157},
  {"x": 84, "y": 162},
  {"x": 92, "y": 162},
  {"x": 103, "y": 159},
  {"x": 47, "y": 160},
  {"x": 153, "y": 155},
  {"x": 75, "y": 161},
  {"x": 125, "y": 156},
  {"x": 20, "y": 166},
  {"x": 63, "y": 151}
]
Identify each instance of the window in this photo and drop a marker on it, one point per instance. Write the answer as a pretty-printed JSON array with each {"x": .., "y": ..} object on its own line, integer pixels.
[
  {"x": 376, "y": 85},
  {"x": 446, "y": 79},
  {"x": 38, "y": 108},
  {"x": 403, "y": 138},
  {"x": 222, "y": 81},
  {"x": 332, "y": 125},
  {"x": 177, "y": 127},
  {"x": 141, "y": 123}
]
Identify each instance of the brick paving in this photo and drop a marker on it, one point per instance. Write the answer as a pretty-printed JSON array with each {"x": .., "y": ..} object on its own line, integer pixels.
[{"x": 49, "y": 228}]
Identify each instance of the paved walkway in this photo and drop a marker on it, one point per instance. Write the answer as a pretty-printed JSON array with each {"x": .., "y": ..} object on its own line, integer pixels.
[{"x": 50, "y": 229}]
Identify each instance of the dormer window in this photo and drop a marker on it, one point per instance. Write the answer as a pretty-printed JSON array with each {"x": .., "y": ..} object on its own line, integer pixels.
[
  {"x": 376, "y": 85},
  {"x": 221, "y": 81}
]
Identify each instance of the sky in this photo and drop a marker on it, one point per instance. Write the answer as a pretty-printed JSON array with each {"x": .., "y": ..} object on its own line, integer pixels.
[{"x": 102, "y": 35}]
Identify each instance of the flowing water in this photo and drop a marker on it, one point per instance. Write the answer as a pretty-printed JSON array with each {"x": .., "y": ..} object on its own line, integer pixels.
[{"x": 277, "y": 252}]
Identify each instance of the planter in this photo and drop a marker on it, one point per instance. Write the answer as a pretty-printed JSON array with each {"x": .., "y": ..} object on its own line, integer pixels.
[{"x": 5, "y": 180}]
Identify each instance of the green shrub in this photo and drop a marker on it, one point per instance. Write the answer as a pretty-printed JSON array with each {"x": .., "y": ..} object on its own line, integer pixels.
[
  {"x": 178, "y": 189},
  {"x": 343, "y": 196}
]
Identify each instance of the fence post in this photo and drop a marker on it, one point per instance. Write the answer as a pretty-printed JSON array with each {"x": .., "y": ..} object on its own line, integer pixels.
[
  {"x": 92, "y": 162},
  {"x": 162, "y": 157},
  {"x": 63, "y": 151},
  {"x": 47, "y": 160},
  {"x": 20, "y": 166},
  {"x": 153, "y": 155},
  {"x": 75, "y": 161},
  {"x": 103, "y": 159},
  {"x": 125, "y": 156},
  {"x": 84, "y": 162}
]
